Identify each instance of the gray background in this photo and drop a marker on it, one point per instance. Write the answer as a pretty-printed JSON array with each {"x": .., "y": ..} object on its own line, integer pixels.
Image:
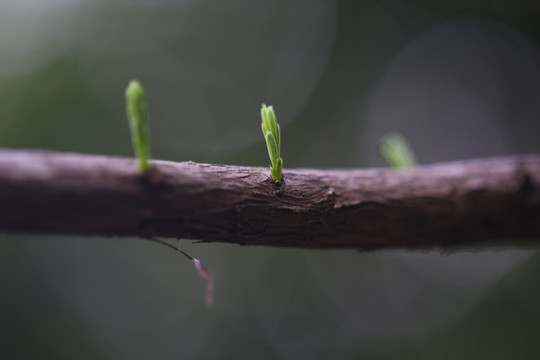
[{"x": 459, "y": 79}]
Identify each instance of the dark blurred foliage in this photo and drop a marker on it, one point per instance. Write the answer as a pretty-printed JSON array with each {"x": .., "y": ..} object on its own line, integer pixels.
[{"x": 458, "y": 79}]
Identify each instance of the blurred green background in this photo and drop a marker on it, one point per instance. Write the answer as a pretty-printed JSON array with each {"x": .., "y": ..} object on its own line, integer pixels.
[{"x": 458, "y": 79}]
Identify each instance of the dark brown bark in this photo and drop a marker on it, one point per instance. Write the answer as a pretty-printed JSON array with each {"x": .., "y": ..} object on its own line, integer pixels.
[{"x": 489, "y": 201}]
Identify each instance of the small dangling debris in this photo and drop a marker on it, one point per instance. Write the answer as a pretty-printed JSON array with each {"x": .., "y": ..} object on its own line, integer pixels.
[{"x": 201, "y": 268}]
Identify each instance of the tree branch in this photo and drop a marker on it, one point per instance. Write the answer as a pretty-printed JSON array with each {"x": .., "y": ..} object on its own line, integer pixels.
[{"x": 436, "y": 206}]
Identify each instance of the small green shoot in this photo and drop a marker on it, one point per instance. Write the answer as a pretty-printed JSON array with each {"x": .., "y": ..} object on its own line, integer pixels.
[
  {"x": 396, "y": 151},
  {"x": 272, "y": 135},
  {"x": 137, "y": 117}
]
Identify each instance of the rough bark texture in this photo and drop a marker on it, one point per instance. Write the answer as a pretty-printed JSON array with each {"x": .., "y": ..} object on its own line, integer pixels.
[{"x": 437, "y": 206}]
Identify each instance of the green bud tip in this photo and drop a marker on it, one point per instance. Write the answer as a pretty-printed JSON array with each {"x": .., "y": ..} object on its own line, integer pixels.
[{"x": 396, "y": 151}]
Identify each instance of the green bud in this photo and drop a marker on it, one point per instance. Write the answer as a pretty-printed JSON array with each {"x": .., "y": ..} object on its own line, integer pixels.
[
  {"x": 137, "y": 117},
  {"x": 272, "y": 135},
  {"x": 396, "y": 151}
]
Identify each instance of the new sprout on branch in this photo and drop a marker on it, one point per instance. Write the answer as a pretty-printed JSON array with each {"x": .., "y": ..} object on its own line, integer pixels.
[
  {"x": 272, "y": 135},
  {"x": 396, "y": 151},
  {"x": 137, "y": 117}
]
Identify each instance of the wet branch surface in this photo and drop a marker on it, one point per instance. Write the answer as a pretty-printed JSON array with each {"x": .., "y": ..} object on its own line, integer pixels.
[{"x": 471, "y": 203}]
